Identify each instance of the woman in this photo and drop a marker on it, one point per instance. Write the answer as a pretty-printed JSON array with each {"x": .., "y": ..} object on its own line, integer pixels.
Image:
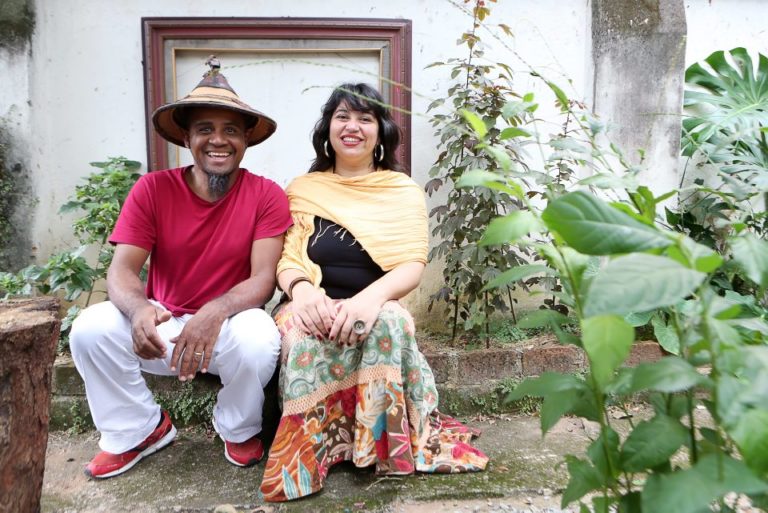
[{"x": 354, "y": 385}]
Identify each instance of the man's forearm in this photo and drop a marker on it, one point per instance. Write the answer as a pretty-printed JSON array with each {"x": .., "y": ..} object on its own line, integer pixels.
[
  {"x": 126, "y": 291},
  {"x": 251, "y": 293}
]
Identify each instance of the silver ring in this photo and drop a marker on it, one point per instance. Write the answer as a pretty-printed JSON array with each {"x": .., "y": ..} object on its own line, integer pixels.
[{"x": 358, "y": 327}]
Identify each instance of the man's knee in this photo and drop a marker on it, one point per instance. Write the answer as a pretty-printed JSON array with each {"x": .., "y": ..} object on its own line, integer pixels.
[
  {"x": 255, "y": 330},
  {"x": 256, "y": 339},
  {"x": 93, "y": 325}
]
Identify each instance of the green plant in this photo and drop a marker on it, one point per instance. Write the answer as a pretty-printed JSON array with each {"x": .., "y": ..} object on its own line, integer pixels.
[
  {"x": 100, "y": 200},
  {"x": 80, "y": 418},
  {"x": 724, "y": 131},
  {"x": 524, "y": 405},
  {"x": 189, "y": 404},
  {"x": 469, "y": 263},
  {"x": 616, "y": 261}
]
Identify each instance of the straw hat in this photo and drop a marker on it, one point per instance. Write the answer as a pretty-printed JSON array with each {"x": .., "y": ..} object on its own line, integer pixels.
[{"x": 212, "y": 91}]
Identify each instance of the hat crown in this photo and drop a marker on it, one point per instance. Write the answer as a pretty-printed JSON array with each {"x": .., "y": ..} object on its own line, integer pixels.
[{"x": 213, "y": 78}]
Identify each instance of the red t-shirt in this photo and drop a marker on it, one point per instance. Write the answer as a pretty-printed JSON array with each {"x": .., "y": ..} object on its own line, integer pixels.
[{"x": 199, "y": 250}]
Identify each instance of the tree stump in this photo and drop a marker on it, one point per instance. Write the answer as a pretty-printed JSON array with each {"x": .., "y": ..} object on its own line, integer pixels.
[{"x": 29, "y": 330}]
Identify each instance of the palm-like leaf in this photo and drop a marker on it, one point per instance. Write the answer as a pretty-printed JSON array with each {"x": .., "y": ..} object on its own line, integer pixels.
[{"x": 729, "y": 105}]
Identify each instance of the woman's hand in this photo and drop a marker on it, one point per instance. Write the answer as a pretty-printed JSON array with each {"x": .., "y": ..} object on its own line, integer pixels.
[
  {"x": 349, "y": 311},
  {"x": 314, "y": 311}
]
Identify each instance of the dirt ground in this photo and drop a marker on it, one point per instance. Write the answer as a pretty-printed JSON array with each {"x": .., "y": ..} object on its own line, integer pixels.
[{"x": 192, "y": 476}]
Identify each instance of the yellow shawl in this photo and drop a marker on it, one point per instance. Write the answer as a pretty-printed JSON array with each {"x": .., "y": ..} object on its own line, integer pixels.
[{"x": 384, "y": 210}]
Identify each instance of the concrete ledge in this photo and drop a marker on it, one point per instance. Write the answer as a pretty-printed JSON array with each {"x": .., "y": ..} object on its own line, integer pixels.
[{"x": 469, "y": 382}]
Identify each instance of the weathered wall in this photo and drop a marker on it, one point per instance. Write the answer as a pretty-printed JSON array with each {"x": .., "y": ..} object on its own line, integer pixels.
[
  {"x": 17, "y": 22},
  {"x": 639, "y": 62}
]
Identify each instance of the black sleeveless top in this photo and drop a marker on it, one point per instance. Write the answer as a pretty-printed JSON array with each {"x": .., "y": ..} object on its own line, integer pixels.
[{"x": 347, "y": 268}]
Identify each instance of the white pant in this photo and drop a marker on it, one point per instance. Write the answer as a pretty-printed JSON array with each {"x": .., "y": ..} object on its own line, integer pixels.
[{"x": 122, "y": 406}]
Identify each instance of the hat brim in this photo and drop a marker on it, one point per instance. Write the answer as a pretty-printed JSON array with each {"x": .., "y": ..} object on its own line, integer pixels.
[{"x": 165, "y": 122}]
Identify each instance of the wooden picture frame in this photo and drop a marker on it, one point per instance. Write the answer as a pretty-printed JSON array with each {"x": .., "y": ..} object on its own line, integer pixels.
[{"x": 163, "y": 37}]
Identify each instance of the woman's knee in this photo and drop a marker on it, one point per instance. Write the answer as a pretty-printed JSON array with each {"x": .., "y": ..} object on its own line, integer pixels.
[{"x": 392, "y": 314}]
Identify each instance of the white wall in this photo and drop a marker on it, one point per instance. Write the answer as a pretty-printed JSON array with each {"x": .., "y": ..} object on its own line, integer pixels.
[{"x": 725, "y": 24}]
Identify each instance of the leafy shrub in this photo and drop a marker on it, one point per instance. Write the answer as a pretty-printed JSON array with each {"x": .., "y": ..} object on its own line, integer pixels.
[
  {"x": 69, "y": 272},
  {"x": 620, "y": 266}
]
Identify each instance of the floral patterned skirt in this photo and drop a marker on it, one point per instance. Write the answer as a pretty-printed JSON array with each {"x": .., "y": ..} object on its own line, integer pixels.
[{"x": 374, "y": 404}]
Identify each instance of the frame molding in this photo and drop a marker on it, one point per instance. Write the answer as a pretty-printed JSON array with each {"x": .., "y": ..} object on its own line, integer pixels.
[{"x": 393, "y": 35}]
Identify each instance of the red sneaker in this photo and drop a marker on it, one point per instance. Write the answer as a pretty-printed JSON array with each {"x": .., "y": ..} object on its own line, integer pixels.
[
  {"x": 105, "y": 464},
  {"x": 242, "y": 454}
]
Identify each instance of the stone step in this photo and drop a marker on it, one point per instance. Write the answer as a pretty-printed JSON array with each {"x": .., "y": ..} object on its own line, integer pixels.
[{"x": 469, "y": 382}]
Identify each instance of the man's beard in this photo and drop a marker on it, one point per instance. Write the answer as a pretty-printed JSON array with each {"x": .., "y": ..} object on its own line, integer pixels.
[{"x": 218, "y": 185}]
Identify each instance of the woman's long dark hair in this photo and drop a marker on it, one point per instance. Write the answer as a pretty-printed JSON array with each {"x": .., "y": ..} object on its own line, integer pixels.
[{"x": 362, "y": 98}]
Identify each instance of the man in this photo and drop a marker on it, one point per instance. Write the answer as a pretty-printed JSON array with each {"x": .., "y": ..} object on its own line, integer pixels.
[{"x": 215, "y": 233}]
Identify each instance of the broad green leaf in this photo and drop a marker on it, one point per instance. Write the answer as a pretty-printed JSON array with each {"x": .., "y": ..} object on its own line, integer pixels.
[
  {"x": 694, "y": 255},
  {"x": 508, "y": 229},
  {"x": 602, "y": 504},
  {"x": 561, "y": 97},
  {"x": 666, "y": 335},
  {"x": 651, "y": 443},
  {"x": 583, "y": 479},
  {"x": 693, "y": 489},
  {"x": 513, "y": 131},
  {"x": 639, "y": 282},
  {"x": 751, "y": 436},
  {"x": 722, "y": 333},
  {"x": 607, "y": 340},
  {"x": 729, "y": 104},
  {"x": 751, "y": 255},
  {"x": 542, "y": 318},
  {"x": 592, "y": 227},
  {"x": 669, "y": 374},
  {"x": 518, "y": 273},
  {"x": 478, "y": 177},
  {"x": 556, "y": 405},
  {"x": 578, "y": 266},
  {"x": 500, "y": 155},
  {"x": 477, "y": 124},
  {"x": 495, "y": 181},
  {"x": 751, "y": 324},
  {"x": 631, "y": 503},
  {"x": 709, "y": 263},
  {"x": 639, "y": 319},
  {"x": 546, "y": 384}
]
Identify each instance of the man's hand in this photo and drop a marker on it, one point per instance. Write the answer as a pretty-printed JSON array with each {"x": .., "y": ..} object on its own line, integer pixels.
[
  {"x": 147, "y": 343},
  {"x": 194, "y": 345}
]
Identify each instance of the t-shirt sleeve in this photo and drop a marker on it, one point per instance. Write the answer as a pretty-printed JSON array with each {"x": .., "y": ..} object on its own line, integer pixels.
[
  {"x": 136, "y": 224},
  {"x": 274, "y": 215}
]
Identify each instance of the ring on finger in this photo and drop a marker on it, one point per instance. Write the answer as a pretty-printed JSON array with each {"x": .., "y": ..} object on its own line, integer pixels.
[
  {"x": 358, "y": 327},
  {"x": 198, "y": 355}
]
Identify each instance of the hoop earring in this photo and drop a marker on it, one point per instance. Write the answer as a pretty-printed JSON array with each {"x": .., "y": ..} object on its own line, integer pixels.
[
  {"x": 325, "y": 149},
  {"x": 380, "y": 151}
]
